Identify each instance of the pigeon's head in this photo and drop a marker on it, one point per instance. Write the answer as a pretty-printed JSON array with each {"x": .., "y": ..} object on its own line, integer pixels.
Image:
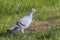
[{"x": 33, "y": 10}]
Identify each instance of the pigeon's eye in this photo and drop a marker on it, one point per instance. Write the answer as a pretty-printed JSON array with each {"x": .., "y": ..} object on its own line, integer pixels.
[{"x": 32, "y": 10}]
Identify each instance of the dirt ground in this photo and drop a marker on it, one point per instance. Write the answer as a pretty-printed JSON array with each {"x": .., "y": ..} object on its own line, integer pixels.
[{"x": 42, "y": 25}]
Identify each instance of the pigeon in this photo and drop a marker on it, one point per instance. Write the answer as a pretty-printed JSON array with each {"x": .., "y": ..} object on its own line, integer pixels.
[{"x": 23, "y": 23}]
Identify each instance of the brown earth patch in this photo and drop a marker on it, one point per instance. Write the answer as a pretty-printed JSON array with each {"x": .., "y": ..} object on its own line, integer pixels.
[{"x": 42, "y": 25}]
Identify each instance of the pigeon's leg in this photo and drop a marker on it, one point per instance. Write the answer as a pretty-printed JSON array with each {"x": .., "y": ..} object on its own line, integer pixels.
[{"x": 22, "y": 30}]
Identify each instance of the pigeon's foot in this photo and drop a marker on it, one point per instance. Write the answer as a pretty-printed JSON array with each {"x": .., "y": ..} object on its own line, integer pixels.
[{"x": 22, "y": 31}]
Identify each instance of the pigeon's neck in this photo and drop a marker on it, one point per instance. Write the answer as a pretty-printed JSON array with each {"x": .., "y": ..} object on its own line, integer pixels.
[{"x": 30, "y": 14}]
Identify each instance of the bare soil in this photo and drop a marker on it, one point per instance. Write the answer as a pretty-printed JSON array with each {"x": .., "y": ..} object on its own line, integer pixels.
[{"x": 42, "y": 25}]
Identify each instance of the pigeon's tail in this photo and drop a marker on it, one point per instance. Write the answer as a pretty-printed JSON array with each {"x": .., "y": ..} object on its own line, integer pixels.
[{"x": 12, "y": 30}]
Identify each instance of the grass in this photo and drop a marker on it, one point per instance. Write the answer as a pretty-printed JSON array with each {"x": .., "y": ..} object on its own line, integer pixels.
[
  {"x": 12, "y": 10},
  {"x": 49, "y": 34}
]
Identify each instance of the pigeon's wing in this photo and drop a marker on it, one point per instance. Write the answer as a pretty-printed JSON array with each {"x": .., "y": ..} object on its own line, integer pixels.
[{"x": 26, "y": 20}]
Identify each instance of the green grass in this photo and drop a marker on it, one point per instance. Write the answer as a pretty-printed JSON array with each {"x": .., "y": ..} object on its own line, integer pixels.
[
  {"x": 12, "y": 10},
  {"x": 49, "y": 34}
]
